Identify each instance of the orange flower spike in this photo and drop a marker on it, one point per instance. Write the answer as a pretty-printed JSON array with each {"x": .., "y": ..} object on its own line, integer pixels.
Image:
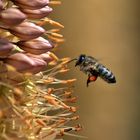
[{"x": 40, "y": 122}]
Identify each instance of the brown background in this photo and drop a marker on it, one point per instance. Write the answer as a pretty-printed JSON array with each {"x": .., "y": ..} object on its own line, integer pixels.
[{"x": 108, "y": 30}]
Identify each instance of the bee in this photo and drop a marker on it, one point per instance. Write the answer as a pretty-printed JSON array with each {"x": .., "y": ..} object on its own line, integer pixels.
[{"x": 90, "y": 66}]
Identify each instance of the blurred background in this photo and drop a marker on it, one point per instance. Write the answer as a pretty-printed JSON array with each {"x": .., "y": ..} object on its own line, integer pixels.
[{"x": 108, "y": 30}]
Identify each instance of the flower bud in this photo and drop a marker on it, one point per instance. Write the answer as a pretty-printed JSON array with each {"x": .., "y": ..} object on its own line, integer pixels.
[
  {"x": 27, "y": 31},
  {"x": 31, "y": 4},
  {"x": 35, "y": 46},
  {"x": 46, "y": 57},
  {"x": 12, "y": 16},
  {"x": 39, "y": 13},
  {"x": 24, "y": 63},
  {"x": 1, "y": 5},
  {"x": 5, "y": 47}
]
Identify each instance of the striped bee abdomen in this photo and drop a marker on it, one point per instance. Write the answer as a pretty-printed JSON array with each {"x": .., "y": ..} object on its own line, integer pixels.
[{"x": 106, "y": 74}]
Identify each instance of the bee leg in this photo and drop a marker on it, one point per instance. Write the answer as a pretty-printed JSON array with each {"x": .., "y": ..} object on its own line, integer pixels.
[{"x": 91, "y": 78}]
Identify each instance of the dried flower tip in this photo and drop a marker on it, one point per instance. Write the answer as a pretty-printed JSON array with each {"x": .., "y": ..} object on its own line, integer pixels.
[
  {"x": 12, "y": 16},
  {"x": 55, "y": 2},
  {"x": 24, "y": 64},
  {"x": 39, "y": 13},
  {"x": 35, "y": 4},
  {"x": 36, "y": 46},
  {"x": 27, "y": 31}
]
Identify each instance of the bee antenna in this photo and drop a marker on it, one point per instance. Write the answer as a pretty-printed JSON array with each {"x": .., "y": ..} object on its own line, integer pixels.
[{"x": 72, "y": 60}]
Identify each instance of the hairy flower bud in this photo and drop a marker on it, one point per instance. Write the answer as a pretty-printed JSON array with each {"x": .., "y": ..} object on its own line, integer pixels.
[
  {"x": 24, "y": 63},
  {"x": 36, "y": 46},
  {"x": 5, "y": 47},
  {"x": 12, "y": 16},
  {"x": 27, "y": 31},
  {"x": 39, "y": 13},
  {"x": 31, "y": 4}
]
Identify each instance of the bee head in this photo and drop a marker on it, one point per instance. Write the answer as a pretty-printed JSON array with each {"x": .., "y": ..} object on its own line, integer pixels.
[{"x": 80, "y": 59}]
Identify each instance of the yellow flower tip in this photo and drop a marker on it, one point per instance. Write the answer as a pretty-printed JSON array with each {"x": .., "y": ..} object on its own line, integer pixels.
[
  {"x": 53, "y": 56},
  {"x": 52, "y": 63},
  {"x": 10, "y": 68},
  {"x": 55, "y": 2}
]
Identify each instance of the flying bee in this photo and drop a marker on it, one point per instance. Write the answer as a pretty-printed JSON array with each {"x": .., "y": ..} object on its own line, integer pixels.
[{"x": 90, "y": 66}]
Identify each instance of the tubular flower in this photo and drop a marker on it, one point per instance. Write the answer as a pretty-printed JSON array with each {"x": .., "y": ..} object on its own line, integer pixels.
[{"x": 34, "y": 104}]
